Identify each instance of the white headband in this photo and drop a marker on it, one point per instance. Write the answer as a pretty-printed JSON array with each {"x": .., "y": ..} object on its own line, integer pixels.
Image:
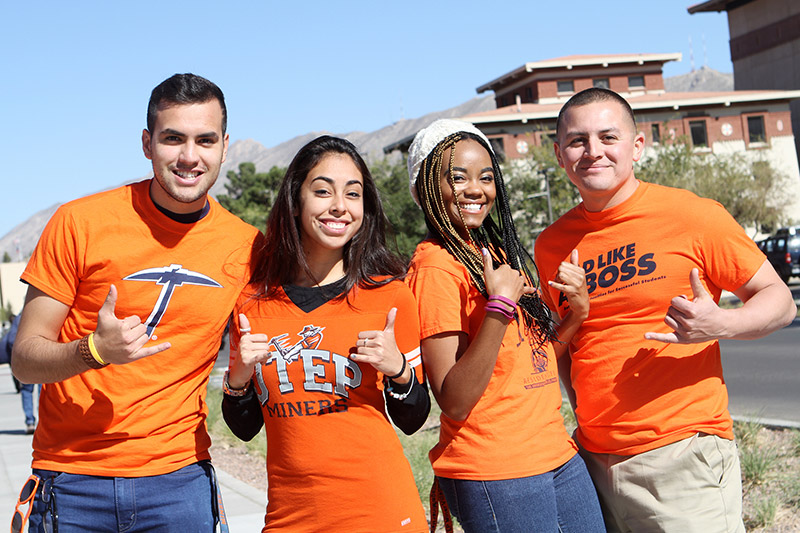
[{"x": 428, "y": 138}]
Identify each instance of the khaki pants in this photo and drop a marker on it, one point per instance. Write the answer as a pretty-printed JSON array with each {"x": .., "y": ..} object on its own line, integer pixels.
[{"x": 693, "y": 485}]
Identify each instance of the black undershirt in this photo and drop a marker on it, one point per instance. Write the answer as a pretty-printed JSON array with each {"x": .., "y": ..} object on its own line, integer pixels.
[
  {"x": 309, "y": 298},
  {"x": 185, "y": 218}
]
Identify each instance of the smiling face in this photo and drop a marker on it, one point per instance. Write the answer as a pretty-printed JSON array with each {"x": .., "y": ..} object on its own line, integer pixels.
[
  {"x": 331, "y": 207},
  {"x": 597, "y": 146},
  {"x": 468, "y": 192},
  {"x": 187, "y": 148}
]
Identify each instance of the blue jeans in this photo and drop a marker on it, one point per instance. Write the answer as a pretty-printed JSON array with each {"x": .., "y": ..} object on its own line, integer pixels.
[
  {"x": 26, "y": 391},
  {"x": 563, "y": 499},
  {"x": 181, "y": 501}
]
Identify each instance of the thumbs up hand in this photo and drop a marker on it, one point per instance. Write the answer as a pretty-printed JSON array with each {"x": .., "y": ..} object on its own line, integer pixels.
[
  {"x": 253, "y": 349},
  {"x": 692, "y": 321},
  {"x": 571, "y": 280},
  {"x": 379, "y": 349},
  {"x": 122, "y": 341}
]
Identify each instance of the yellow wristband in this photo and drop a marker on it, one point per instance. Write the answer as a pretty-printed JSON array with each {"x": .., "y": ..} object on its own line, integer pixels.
[{"x": 93, "y": 350}]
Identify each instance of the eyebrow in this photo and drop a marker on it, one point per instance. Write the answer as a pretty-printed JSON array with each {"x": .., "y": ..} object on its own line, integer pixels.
[
  {"x": 586, "y": 133},
  {"x": 462, "y": 169},
  {"x": 330, "y": 181},
  {"x": 208, "y": 135}
]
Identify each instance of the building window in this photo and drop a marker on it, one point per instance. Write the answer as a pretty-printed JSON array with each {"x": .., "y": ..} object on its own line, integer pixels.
[
  {"x": 755, "y": 129},
  {"x": 528, "y": 94},
  {"x": 655, "y": 133},
  {"x": 636, "y": 82},
  {"x": 600, "y": 83},
  {"x": 699, "y": 135},
  {"x": 566, "y": 86}
]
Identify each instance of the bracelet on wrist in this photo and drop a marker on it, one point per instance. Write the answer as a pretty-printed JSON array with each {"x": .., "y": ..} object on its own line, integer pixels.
[
  {"x": 93, "y": 350},
  {"x": 400, "y": 395},
  {"x": 497, "y": 308},
  {"x": 499, "y": 298},
  {"x": 402, "y": 369},
  {"x": 227, "y": 389},
  {"x": 88, "y": 352}
]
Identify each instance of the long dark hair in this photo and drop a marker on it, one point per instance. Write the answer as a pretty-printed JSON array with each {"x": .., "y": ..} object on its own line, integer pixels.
[
  {"x": 500, "y": 237},
  {"x": 367, "y": 260}
]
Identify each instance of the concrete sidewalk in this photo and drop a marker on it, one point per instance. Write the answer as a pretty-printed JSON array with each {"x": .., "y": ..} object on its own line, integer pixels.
[{"x": 245, "y": 506}]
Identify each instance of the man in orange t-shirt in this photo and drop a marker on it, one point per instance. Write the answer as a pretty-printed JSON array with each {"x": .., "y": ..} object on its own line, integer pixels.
[
  {"x": 129, "y": 293},
  {"x": 650, "y": 399}
]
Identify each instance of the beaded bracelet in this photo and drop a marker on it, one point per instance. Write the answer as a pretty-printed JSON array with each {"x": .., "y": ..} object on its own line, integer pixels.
[
  {"x": 498, "y": 298},
  {"x": 230, "y": 391},
  {"x": 497, "y": 308},
  {"x": 400, "y": 395}
]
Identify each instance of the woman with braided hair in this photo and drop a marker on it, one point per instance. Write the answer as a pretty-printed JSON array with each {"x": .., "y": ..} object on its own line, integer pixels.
[{"x": 504, "y": 461}]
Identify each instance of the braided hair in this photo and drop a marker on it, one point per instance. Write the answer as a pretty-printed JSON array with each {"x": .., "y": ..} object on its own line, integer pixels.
[{"x": 499, "y": 237}]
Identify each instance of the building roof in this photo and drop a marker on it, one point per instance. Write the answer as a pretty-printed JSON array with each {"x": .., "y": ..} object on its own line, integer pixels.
[
  {"x": 646, "y": 102},
  {"x": 716, "y": 5},
  {"x": 569, "y": 62}
]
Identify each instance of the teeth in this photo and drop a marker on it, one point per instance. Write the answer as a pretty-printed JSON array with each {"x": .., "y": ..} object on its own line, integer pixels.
[
  {"x": 335, "y": 225},
  {"x": 471, "y": 207},
  {"x": 187, "y": 175}
]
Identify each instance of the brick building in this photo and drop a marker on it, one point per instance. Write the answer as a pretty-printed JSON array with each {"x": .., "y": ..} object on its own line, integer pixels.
[
  {"x": 764, "y": 44},
  {"x": 755, "y": 123}
]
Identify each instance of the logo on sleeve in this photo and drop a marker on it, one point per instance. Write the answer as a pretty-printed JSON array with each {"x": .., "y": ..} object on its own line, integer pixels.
[{"x": 169, "y": 277}]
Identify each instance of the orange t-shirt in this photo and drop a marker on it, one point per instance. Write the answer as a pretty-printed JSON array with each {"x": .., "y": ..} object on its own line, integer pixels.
[
  {"x": 334, "y": 461},
  {"x": 633, "y": 394},
  {"x": 146, "y": 417},
  {"x": 515, "y": 429}
]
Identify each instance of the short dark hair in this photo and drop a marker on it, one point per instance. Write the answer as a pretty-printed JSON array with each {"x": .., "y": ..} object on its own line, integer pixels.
[
  {"x": 367, "y": 259},
  {"x": 590, "y": 96},
  {"x": 181, "y": 89}
]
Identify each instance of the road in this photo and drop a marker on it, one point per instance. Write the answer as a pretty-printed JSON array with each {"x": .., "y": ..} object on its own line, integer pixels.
[{"x": 763, "y": 376}]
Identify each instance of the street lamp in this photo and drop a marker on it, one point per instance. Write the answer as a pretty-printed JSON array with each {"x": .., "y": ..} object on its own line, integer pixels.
[{"x": 545, "y": 173}]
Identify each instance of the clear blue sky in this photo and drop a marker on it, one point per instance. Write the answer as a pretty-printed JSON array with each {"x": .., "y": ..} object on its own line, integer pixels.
[{"x": 76, "y": 76}]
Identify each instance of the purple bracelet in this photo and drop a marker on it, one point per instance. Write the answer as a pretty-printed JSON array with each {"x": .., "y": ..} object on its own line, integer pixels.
[
  {"x": 497, "y": 308},
  {"x": 509, "y": 302}
]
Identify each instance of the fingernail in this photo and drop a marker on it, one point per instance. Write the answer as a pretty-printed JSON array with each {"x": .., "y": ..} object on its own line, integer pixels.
[{"x": 484, "y": 251}]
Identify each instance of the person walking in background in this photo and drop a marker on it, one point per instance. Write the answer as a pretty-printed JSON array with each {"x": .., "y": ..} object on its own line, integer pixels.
[
  {"x": 327, "y": 343},
  {"x": 646, "y": 377},
  {"x": 129, "y": 293},
  {"x": 25, "y": 389},
  {"x": 504, "y": 461}
]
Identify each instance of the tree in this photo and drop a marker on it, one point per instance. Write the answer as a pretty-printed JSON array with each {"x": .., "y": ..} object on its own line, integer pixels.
[
  {"x": 405, "y": 216},
  {"x": 250, "y": 193},
  {"x": 6, "y": 257},
  {"x": 752, "y": 190},
  {"x": 528, "y": 181}
]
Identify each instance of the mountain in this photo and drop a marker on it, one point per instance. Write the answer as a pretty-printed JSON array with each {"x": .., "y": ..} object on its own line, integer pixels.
[
  {"x": 370, "y": 144},
  {"x": 704, "y": 79}
]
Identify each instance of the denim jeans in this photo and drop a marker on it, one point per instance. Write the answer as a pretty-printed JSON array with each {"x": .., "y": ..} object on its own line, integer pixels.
[
  {"x": 181, "y": 501},
  {"x": 563, "y": 499},
  {"x": 26, "y": 391}
]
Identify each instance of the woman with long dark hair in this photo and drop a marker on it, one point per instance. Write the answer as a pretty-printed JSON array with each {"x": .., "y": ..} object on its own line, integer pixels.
[
  {"x": 328, "y": 342},
  {"x": 504, "y": 461}
]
